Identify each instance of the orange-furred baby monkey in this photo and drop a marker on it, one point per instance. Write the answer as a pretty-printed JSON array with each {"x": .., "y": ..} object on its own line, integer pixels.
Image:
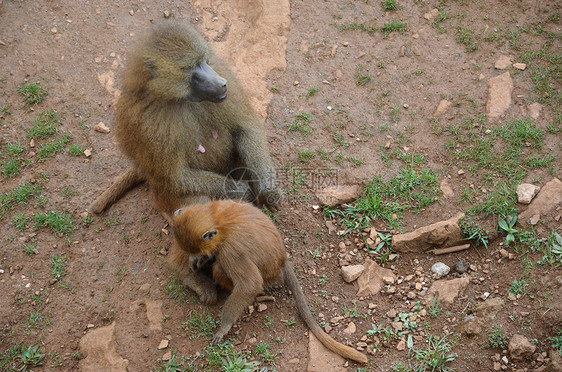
[{"x": 246, "y": 253}]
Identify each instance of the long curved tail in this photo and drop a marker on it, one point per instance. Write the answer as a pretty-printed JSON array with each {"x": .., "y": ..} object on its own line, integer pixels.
[
  {"x": 292, "y": 282},
  {"x": 127, "y": 181}
]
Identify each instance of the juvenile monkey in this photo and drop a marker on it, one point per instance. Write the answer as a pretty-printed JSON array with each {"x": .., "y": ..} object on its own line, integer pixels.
[
  {"x": 187, "y": 127},
  {"x": 245, "y": 253}
]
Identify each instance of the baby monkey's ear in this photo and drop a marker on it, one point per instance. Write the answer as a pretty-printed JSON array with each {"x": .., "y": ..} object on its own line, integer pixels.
[
  {"x": 178, "y": 212},
  {"x": 209, "y": 235}
]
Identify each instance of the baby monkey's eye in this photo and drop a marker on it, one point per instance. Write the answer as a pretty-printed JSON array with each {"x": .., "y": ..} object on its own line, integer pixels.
[{"x": 209, "y": 235}]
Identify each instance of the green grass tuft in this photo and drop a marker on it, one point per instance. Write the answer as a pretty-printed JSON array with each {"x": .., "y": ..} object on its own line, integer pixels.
[
  {"x": 45, "y": 125},
  {"x": 60, "y": 223},
  {"x": 32, "y": 93}
]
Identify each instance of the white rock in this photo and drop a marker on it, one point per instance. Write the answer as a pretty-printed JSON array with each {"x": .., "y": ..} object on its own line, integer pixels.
[
  {"x": 101, "y": 128},
  {"x": 440, "y": 269},
  {"x": 526, "y": 192}
]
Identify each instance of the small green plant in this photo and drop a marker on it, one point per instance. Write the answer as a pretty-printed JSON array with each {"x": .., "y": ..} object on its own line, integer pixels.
[
  {"x": 20, "y": 221},
  {"x": 306, "y": 156},
  {"x": 44, "y": 125},
  {"x": 507, "y": 226},
  {"x": 496, "y": 337},
  {"x": 465, "y": 36},
  {"x": 301, "y": 124},
  {"x": 68, "y": 192},
  {"x": 274, "y": 90},
  {"x": 471, "y": 230},
  {"x": 18, "y": 195},
  {"x": 269, "y": 322},
  {"x": 290, "y": 322},
  {"x": 395, "y": 114},
  {"x": 389, "y": 4},
  {"x": 76, "y": 150},
  {"x": 312, "y": 91},
  {"x": 51, "y": 149},
  {"x": 316, "y": 254},
  {"x": 434, "y": 309},
  {"x": 557, "y": 342},
  {"x": 61, "y": 223},
  {"x": 384, "y": 333},
  {"x": 517, "y": 287},
  {"x": 31, "y": 356},
  {"x": 58, "y": 267},
  {"x": 30, "y": 249},
  {"x": 176, "y": 291},
  {"x": 32, "y": 93},
  {"x": 262, "y": 352},
  {"x": 436, "y": 356},
  {"x": 352, "y": 311},
  {"x": 200, "y": 325},
  {"x": 552, "y": 252},
  {"x": 10, "y": 168},
  {"x": 361, "y": 78},
  {"x": 392, "y": 26}
]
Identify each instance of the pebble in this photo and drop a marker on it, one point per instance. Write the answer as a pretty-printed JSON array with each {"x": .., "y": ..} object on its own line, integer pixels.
[
  {"x": 440, "y": 269},
  {"x": 163, "y": 344}
]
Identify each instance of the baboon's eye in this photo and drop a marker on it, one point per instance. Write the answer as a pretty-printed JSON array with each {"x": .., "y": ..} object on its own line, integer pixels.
[{"x": 209, "y": 235}]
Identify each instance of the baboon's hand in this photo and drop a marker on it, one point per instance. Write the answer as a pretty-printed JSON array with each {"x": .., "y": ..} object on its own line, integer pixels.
[
  {"x": 271, "y": 198},
  {"x": 217, "y": 338}
]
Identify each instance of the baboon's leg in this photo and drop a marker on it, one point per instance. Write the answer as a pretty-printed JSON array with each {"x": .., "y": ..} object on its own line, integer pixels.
[{"x": 127, "y": 181}]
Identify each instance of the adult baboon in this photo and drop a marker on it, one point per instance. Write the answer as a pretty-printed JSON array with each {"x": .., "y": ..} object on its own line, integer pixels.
[{"x": 181, "y": 132}]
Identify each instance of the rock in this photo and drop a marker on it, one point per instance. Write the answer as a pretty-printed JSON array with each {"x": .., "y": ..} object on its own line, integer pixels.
[
  {"x": 520, "y": 66},
  {"x": 534, "y": 219},
  {"x": 100, "y": 351},
  {"x": 388, "y": 280},
  {"x": 350, "y": 329},
  {"x": 335, "y": 195},
  {"x": 370, "y": 282},
  {"x": 471, "y": 326},
  {"x": 534, "y": 110},
  {"x": 107, "y": 80},
  {"x": 440, "y": 269},
  {"x": 262, "y": 307},
  {"x": 555, "y": 363},
  {"x": 520, "y": 348},
  {"x": 294, "y": 361},
  {"x": 503, "y": 62},
  {"x": 442, "y": 108},
  {"x": 163, "y": 344},
  {"x": 489, "y": 308},
  {"x": 154, "y": 315},
  {"x": 548, "y": 199},
  {"x": 444, "y": 233},
  {"x": 145, "y": 287},
  {"x": 167, "y": 356},
  {"x": 499, "y": 95},
  {"x": 352, "y": 272},
  {"x": 431, "y": 14},
  {"x": 101, "y": 128},
  {"x": 504, "y": 253},
  {"x": 447, "y": 290},
  {"x": 401, "y": 346},
  {"x": 321, "y": 359},
  {"x": 446, "y": 189},
  {"x": 461, "y": 266},
  {"x": 526, "y": 192}
]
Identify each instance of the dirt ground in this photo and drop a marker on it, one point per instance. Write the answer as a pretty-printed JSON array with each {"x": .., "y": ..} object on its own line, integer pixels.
[{"x": 369, "y": 100}]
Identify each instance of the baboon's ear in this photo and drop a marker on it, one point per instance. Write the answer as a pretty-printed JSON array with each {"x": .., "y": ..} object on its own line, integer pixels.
[
  {"x": 151, "y": 67},
  {"x": 209, "y": 235},
  {"x": 178, "y": 212}
]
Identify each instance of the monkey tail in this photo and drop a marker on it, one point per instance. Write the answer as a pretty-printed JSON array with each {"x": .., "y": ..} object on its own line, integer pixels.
[
  {"x": 292, "y": 282},
  {"x": 127, "y": 181}
]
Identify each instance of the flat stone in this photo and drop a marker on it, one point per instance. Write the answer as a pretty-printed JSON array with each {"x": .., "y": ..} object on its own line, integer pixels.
[
  {"x": 444, "y": 233},
  {"x": 447, "y": 290},
  {"x": 100, "y": 351},
  {"x": 431, "y": 14},
  {"x": 520, "y": 348},
  {"x": 526, "y": 192},
  {"x": 163, "y": 344},
  {"x": 370, "y": 282},
  {"x": 499, "y": 95},
  {"x": 547, "y": 200},
  {"x": 503, "y": 62},
  {"x": 446, "y": 189},
  {"x": 154, "y": 315},
  {"x": 350, "y": 329},
  {"x": 442, "y": 108},
  {"x": 534, "y": 110},
  {"x": 101, "y": 128},
  {"x": 520, "y": 66},
  {"x": 352, "y": 272},
  {"x": 335, "y": 195},
  {"x": 321, "y": 359},
  {"x": 401, "y": 346}
]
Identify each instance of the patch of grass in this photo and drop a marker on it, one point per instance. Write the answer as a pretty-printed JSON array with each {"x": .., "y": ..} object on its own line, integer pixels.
[
  {"x": 517, "y": 287},
  {"x": 360, "y": 27},
  {"x": 200, "y": 325},
  {"x": 30, "y": 249},
  {"x": 32, "y": 93},
  {"x": 410, "y": 189},
  {"x": 306, "y": 156},
  {"x": 361, "y": 78},
  {"x": 392, "y": 26},
  {"x": 51, "y": 149},
  {"x": 269, "y": 323},
  {"x": 434, "y": 309},
  {"x": 552, "y": 250},
  {"x": 58, "y": 267},
  {"x": 61, "y": 223},
  {"x": 10, "y": 168},
  {"x": 471, "y": 230},
  {"x": 520, "y": 133},
  {"x": 465, "y": 36},
  {"x": 389, "y": 4},
  {"x": 301, "y": 124},
  {"x": 176, "y": 291},
  {"x": 14, "y": 149},
  {"x": 263, "y": 353},
  {"x": 68, "y": 192},
  {"x": 436, "y": 356},
  {"x": 45, "y": 125},
  {"x": 225, "y": 358},
  {"x": 311, "y": 91},
  {"x": 76, "y": 150},
  {"x": 557, "y": 342},
  {"x": 18, "y": 195},
  {"x": 20, "y": 221},
  {"x": 395, "y": 114},
  {"x": 496, "y": 337}
]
